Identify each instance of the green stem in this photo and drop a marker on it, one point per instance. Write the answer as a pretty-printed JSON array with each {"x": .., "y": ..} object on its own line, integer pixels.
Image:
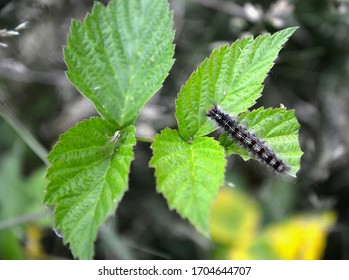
[
  {"x": 23, "y": 219},
  {"x": 144, "y": 139},
  {"x": 7, "y": 114}
]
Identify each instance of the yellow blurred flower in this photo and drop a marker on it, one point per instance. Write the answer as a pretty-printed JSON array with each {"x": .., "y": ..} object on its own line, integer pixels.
[
  {"x": 33, "y": 246},
  {"x": 234, "y": 218},
  {"x": 302, "y": 237}
]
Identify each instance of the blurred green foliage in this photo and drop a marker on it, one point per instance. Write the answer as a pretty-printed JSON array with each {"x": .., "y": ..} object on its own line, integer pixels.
[{"x": 20, "y": 204}]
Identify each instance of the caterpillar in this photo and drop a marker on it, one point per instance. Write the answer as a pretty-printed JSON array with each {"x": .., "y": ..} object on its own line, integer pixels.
[{"x": 247, "y": 139}]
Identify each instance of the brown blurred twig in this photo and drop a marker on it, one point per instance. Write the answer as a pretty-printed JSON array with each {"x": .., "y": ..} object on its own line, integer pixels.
[{"x": 223, "y": 6}]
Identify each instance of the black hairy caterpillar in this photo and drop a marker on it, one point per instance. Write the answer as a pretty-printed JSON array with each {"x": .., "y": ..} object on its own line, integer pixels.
[{"x": 247, "y": 139}]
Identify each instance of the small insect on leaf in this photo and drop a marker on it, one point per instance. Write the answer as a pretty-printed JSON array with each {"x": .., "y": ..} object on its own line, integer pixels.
[
  {"x": 115, "y": 137},
  {"x": 109, "y": 146}
]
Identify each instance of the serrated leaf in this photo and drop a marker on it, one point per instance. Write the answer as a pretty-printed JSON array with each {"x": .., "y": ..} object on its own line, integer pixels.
[
  {"x": 88, "y": 177},
  {"x": 188, "y": 174},
  {"x": 119, "y": 57},
  {"x": 278, "y": 128},
  {"x": 231, "y": 78}
]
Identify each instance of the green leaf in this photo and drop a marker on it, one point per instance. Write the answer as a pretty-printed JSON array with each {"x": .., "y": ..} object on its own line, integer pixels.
[
  {"x": 19, "y": 196},
  {"x": 120, "y": 55},
  {"x": 10, "y": 246},
  {"x": 88, "y": 176},
  {"x": 13, "y": 202},
  {"x": 188, "y": 174},
  {"x": 231, "y": 78},
  {"x": 278, "y": 128}
]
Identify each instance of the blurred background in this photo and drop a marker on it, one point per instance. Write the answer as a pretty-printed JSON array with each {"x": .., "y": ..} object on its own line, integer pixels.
[{"x": 257, "y": 215}]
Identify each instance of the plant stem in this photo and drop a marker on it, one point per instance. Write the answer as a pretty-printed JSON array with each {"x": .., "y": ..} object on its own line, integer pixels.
[
  {"x": 7, "y": 114},
  {"x": 23, "y": 219},
  {"x": 114, "y": 243},
  {"x": 144, "y": 139}
]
